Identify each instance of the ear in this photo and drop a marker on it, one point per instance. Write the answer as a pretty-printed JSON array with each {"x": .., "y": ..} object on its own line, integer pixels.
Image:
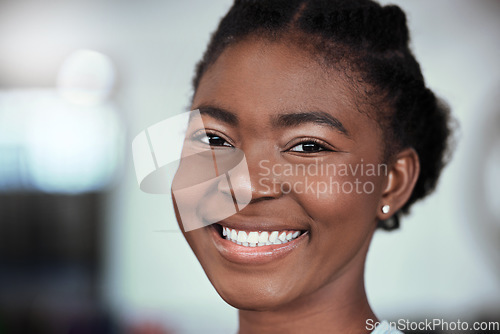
[{"x": 400, "y": 181}]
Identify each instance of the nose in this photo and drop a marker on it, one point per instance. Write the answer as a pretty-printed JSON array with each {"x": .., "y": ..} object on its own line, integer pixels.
[{"x": 251, "y": 180}]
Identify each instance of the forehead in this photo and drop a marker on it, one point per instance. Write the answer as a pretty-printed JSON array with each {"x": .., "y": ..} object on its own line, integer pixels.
[{"x": 258, "y": 79}]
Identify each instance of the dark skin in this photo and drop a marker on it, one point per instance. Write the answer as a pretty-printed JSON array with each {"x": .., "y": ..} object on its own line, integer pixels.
[{"x": 319, "y": 287}]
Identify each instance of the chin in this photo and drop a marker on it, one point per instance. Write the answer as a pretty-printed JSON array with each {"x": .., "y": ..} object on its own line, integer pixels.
[
  {"x": 256, "y": 289},
  {"x": 255, "y": 299}
]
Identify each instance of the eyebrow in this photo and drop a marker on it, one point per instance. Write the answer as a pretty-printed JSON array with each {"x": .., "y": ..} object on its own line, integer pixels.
[
  {"x": 316, "y": 117},
  {"x": 220, "y": 114},
  {"x": 281, "y": 120}
]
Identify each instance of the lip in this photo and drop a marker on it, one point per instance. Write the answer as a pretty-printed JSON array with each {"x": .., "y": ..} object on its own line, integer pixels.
[{"x": 253, "y": 255}]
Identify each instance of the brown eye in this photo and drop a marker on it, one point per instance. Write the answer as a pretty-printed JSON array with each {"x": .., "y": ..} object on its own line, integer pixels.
[
  {"x": 214, "y": 140},
  {"x": 308, "y": 147}
]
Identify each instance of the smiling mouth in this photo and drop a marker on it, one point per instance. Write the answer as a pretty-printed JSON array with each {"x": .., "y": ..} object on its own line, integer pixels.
[{"x": 257, "y": 238}]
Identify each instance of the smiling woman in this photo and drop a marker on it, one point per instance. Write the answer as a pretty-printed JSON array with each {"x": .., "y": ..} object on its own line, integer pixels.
[{"x": 302, "y": 83}]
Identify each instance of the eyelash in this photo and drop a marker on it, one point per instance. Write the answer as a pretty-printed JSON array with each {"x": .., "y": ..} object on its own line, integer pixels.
[
  {"x": 322, "y": 146},
  {"x": 201, "y": 134}
]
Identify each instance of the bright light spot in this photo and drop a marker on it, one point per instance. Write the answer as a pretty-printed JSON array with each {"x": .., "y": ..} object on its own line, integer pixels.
[
  {"x": 49, "y": 144},
  {"x": 72, "y": 150},
  {"x": 86, "y": 78}
]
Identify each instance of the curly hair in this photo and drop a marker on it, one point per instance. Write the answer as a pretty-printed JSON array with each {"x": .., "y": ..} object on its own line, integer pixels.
[{"x": 366, "y": 38}]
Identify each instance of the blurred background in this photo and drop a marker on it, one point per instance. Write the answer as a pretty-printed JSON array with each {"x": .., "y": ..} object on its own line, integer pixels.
[{"x": 83, "y": 250}]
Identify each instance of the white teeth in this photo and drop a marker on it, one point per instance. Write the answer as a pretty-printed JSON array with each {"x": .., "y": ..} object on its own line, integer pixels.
[
  {"x": 253, "y": 237},
  {"x": 258, "y": 239},
  {"x": 242, "y": 236},
  {"x": 263, "y": 237}
]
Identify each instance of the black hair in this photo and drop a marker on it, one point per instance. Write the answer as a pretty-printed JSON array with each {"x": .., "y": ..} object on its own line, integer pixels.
[{"x": 372, "y": 40}]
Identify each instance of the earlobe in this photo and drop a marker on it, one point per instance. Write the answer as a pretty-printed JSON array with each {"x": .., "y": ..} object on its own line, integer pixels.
[{"x": 401, "y": 179}]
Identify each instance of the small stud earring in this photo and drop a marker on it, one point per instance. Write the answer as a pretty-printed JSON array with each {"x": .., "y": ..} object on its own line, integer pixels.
[{"x": 386, "y": 208}]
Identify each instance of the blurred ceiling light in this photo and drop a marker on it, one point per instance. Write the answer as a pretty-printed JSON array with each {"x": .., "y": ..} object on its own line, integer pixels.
[
  {"x": 72, "y": 149},
  {"x": 67, "y": 139},
  {"x": 86, "y": 77}
]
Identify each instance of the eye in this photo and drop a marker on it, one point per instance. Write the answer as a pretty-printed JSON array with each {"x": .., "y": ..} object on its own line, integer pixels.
[
  {"x": 309, "y": 146},
  {"x": 212, "y": 139}
]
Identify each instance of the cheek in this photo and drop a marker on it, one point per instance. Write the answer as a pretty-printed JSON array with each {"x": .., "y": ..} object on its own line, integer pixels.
[
  {"x": 343, "y": 210},
  {"x": 350, "y": 197}
]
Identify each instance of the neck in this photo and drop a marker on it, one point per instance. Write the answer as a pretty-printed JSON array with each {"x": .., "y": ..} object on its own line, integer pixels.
[{"x": 338, "y": 307}]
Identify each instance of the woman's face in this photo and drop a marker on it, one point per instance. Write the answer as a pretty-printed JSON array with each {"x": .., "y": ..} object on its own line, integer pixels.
[{"x": 314, "y": 166}]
